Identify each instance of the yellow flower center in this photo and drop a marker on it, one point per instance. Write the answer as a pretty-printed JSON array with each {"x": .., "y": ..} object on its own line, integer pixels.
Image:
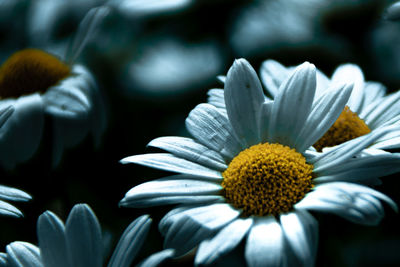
[
  {"x": 348, "y": 126},
  {"x": 29, "y": 71},
  {"x": 267, "y": 179}
]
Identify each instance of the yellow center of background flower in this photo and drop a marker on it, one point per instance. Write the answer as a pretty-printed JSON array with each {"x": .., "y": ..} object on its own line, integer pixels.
[
  {"x": 347, "y": 127},
  {"x": 267, "y": 179},
  {"x": 29, "y": 71}
]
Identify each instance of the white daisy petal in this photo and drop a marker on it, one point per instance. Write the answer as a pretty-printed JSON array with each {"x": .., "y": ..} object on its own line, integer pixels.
[
  {"x": 82, "y": 224},
  {"x": 65, "y": 100},
  {"x": 221, "y": 78},
  {"x": 52, "y": 244},
  {"x": 297, "y": 91},
  {"x": 168, "y": 162},
  {"x": 272, "y": 75},
  {"x": 243, "y": 99},
  {"x": 265, "y": 114},
  {"x": 211, "y": 128},
  {"x": 324, "y": 113},
  {"x": 362, "y": 169},
  {"x": 381, "y": 115},
  {"x": 172, "y": 217},
  {"x": 265, "y": 243},
  {"x": 3, "y": 259},
  {"x": 86, "y": 30},
  {"x": 214, "y": 215},
  {"x": 130, "y": 242},
  {"x": 76, "y": 108},
  {"x": 157, "y": 201},
  {"x": 184, "y": 235},
  {"x": 394, "y": 120},
  {"x": 196, "y": 224},
  {"x": 372, "y": 92},
  {"x": 381, "y": 110},
  {"x": 72, "y": 97},
  {"x": 169, "y": 187},
  {"x": 301, "y": 231},
  {"x": 87, "y": 84},
  {"x": 350, "y": 201},
  {"x": 157, "y": 258},
  {"x": 5, "y": 114},
  {"x": 341, "y": 153},
  {"x": 351, "y": 74},
  {"x": 62, "y": 102},
  {"x": 15, "y": 145},
  {"x": 9, "y": 210},
  {"x": 189, "y": 149},
  {"x": 13, "y": 194},
  {"x": 216, "y": 98},
  {"x": 224, "y": 242},
  {"x": 23, "y": 254},
  {"x": 387, "y": 144}
]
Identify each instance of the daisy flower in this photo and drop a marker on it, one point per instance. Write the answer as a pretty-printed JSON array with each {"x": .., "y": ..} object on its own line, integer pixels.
[
  {"x": 367, "y": 109},
  {"x": 34, "y": 85},
  {"x": 79, "y": 243},
  {"x": 248, "y": 172},
  {"x": 11, "y": 194}
]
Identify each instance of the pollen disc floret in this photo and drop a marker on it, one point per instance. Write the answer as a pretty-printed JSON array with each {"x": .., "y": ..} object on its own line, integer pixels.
[
  {"x": 29, "y": 71},
  {"x": 347, "y": 127},
  {"x": 267, "y": 179}
]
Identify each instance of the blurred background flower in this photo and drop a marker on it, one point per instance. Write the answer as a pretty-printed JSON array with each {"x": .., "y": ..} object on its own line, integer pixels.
[{"x": 169, "y": 67}]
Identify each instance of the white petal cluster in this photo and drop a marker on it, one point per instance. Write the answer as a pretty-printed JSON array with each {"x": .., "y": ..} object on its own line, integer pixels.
[
  {"x": 79, "y": 243},
  {"x": 11, "y": 194},
  {"x": 368, "y": 99}
]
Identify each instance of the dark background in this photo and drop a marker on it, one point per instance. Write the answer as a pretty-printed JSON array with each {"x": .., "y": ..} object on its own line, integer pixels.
[{"x": 95, "y": 176}]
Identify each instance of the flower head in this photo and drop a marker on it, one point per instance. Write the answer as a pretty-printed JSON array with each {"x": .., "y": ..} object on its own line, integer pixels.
[
  {"x": 249, "y": 172},
  {"x": 35, "y": 84},
  {"x": 367, "y": 109}
]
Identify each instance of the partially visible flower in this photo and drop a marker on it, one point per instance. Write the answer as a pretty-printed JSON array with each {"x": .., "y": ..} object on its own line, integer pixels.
[
  {"x": 368, "y": 108},
  {"x": 37, "y": 84},
  {"x": 11, "y": 194},
  {"x": 170, "y": 66},
  {"x": 79, "y": 243},
  {"x": 249, "y": 172}
]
